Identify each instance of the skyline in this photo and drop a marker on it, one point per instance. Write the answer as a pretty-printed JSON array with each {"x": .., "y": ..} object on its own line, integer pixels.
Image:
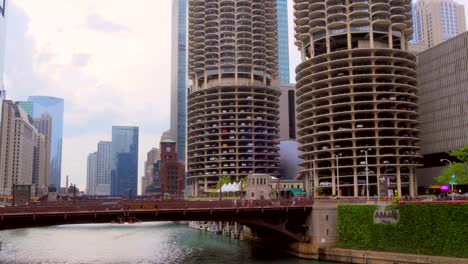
[{"x": 43, "y": 58}]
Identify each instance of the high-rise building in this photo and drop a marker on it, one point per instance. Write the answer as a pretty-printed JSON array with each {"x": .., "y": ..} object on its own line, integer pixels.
[
  {"x": 234, "y": 100},
  {"x": 357, "y": 97},
  {"x": 103, "y": 171},
  {"x": 151, "y": 157},
  {"x": 27, "y": 106},
  {"x": 179, "y": 75},
  {"x": 443, "y": 85},
  {"x": 172, "y": 170},
  {"x": 18, "y": 139},
  {"x": 287, "y": 113},
  {"x": 435, "y": 21},
  {"x": 91, "y": 174},
  {"x": 54, "y": 107},
  {"x": 283, "y": 41},
  {"x": 40, "y": 179},
  {"x": 179, "y": 66},
  {"x": 2, "y": 48},
  {"x": 43, "y": 125},
  {"x": 124, "y": 169}
]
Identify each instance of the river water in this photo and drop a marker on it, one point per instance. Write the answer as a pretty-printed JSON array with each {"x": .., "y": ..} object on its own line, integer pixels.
[{"x": 137, "y": 243}]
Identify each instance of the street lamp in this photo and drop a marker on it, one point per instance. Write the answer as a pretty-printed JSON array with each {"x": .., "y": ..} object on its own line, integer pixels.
[
  {"x": 337, "y": 173},
  {"x": 451, "y": 184},
  {"x": 367, "y": 171}
]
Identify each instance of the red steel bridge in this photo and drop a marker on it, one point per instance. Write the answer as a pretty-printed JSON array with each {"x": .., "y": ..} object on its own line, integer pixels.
[{"x": 284, "y": 217}]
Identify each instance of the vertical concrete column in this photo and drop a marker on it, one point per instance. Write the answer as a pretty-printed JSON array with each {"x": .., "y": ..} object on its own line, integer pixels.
[{"x": 323, "y": 224}]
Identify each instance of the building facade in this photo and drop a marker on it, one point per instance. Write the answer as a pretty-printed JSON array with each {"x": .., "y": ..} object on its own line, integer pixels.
[
  {"x": 443, "y": 84},
  {"x": 357, "y": 97},
  {"x": 43, "y": 125},
  {"x": 283, "y": 41},
  {"x": 171, "y": 171},
  {"x": 435, "y": 21},
  {"x": 55, "y": 107},
  {"x": 287, "y": 113},
  {"x": 124, "y": 169},
  {"x": 40, "y": 178},
  {"x": 234, "y": 100},
  {"x": 18, "y": 139},
  {"x": 91, "y": 174},
  {"x": 103, "y": 171},
  {"x": 179, "y": 75}
]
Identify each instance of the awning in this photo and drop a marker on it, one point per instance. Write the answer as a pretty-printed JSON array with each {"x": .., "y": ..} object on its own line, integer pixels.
[{"x": 295, "y": 191}]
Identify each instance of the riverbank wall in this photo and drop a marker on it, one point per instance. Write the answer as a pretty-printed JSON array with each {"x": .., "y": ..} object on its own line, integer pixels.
[{"x": 310, "y": 251}]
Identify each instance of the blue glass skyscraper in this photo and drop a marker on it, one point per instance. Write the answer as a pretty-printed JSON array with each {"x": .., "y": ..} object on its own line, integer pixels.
[
  {"x": 53, "y": 106},
  {"x": 124, "y": 169},
  {"x": 179, "y": 75},
  {"x": 283, "y": 44}
]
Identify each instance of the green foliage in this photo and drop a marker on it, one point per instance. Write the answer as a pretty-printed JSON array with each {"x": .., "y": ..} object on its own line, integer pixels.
[
  {"x": 224, "y": 180},
  {"x": 460, "y": 169},
  {"x": 429, "y": 228},
  {"x": 243, "y": 184},
  {"x": 461, "y": 154}
]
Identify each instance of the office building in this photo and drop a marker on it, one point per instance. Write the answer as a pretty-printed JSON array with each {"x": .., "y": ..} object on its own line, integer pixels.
[
  {"x": 172, "y": 171},
  {"x": 124, "y": 168},
  {"x": 435, "y": 21},
  {"x": 3, "y": 5},
  {"x": 91, "y": 174},
  {"x": 443, "y": 85},
  {"x": 287, "y": 113},
  {"x": 43, "y": 125},
  {"x": 54, "y": 107},
  {"x": 18, "y": 138},
  {"x": 234, "y": 100},
  {"x": 103, "y": 171},
  {"x": 40, "y": 179},
  {"x": 151, "y": 157},
  {"x": 356, "y": 97},
  {"x": 283, "y": 41},
  {"x": 179, "y": 75}
]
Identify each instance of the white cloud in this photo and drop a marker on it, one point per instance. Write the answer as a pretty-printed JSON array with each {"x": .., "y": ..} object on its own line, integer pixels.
[
  {"x": 101, "y": 24},
  {"x": 114, "y": 71}
]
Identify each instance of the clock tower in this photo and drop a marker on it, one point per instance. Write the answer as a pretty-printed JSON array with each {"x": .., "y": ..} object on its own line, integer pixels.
[
  {"x": 172, "y": 171},
  {"x": 168, "y": 150}
]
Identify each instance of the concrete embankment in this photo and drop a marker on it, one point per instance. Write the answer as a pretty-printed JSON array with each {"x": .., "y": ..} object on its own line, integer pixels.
[{"x": 310, "y": 251}]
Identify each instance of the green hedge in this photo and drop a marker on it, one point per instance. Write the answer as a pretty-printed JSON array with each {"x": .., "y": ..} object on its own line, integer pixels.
[{"x": 428, "y": 229}]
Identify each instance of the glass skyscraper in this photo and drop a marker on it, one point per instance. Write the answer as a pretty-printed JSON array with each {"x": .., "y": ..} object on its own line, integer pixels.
[
  {"x": 53, "y": 106},
  {"x": 124, "y": 168},
  {"x": 179, "y": 75},
  {"x": 283, "y": 45}
]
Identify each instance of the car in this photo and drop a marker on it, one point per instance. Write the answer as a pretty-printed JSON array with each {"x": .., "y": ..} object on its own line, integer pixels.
[
  {"x": 325, "y": 183},
  {"x": 359, "y": 126}
]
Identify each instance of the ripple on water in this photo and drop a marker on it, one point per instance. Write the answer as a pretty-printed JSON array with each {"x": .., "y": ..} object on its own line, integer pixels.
[{"x": 137, "y": 243}]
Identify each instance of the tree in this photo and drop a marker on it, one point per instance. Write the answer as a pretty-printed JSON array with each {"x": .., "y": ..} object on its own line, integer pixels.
[
  {"x": 224, "y": 180},
  {"x": 459, "y": 169}
]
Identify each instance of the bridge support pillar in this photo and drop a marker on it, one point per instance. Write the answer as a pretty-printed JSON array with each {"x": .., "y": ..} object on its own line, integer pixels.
[{"x": 323, "y": 224}]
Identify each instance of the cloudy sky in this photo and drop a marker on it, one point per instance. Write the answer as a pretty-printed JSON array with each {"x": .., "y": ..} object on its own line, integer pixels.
[{"x": 109, "y": 60}]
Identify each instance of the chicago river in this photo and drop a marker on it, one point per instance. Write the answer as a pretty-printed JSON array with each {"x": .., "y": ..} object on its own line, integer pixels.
[{"x": 137, "y": 243}]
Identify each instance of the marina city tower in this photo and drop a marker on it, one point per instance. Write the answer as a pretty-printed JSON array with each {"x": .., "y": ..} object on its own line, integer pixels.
[
  {"x": 233, "y": 101},
  {"x": 357, "y": 96}
]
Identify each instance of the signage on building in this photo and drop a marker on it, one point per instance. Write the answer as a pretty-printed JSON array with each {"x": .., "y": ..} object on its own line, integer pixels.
[{"x": 386, "y": 216}]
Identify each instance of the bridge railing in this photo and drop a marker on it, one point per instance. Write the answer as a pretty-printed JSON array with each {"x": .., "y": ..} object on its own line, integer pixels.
[{"x": 151, "y": 205}]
